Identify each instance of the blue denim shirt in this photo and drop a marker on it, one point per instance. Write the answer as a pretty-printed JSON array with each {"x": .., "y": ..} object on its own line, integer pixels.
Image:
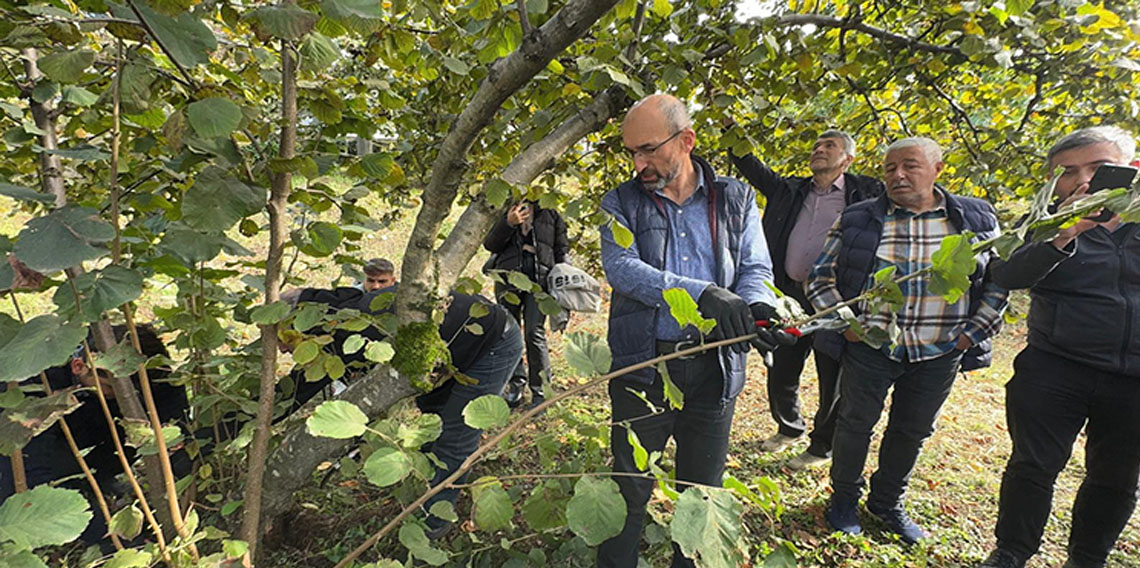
[{"x": 690, "y": 261}]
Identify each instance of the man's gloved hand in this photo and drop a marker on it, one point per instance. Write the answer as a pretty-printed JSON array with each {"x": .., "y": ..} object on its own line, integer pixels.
[
  {"x": 770, "y": 337},
  {"x": 733, "y": 318}
]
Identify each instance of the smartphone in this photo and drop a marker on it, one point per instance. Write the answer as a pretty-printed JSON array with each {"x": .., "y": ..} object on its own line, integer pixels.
[{"x": 1109, "y": 176}]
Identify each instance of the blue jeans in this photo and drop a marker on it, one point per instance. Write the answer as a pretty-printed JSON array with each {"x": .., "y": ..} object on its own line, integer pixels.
[
  {"x": 459, "y": 440},
  {"x": 1048, "y": 401},
  {"x": 919, "y": 390},
  {"x": 700, "y": 431}
]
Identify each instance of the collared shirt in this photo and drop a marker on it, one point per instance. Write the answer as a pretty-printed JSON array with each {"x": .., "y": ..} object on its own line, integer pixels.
[
  {"x": 690, "y": 261},
  {"x": 820, "y": 210},
  {"x": 928, "y": 325}
]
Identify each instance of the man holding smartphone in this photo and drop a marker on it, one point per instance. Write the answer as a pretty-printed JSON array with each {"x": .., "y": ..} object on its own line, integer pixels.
[{"x": 1081, "y": 368}]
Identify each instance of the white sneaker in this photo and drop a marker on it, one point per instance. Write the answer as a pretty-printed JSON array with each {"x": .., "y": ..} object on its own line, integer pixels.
[
  {"x": 777, "y": 442},
  {"x": 806, "y": 460}
]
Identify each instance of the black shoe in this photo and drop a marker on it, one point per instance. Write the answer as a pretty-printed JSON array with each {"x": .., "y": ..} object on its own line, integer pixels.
[
  {"x": 513, "y": 394},
  {"x": 899, "y": 522},
  {"x": 1002, "y": 559}
]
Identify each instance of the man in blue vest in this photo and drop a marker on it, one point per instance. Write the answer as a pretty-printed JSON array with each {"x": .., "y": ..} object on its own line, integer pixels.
[
  {"x": 1081, "y": 368},
  {"x": 798, "y": 214},
  {"x": 701, "y": 233},
  {"x": 901, "y": 229}
]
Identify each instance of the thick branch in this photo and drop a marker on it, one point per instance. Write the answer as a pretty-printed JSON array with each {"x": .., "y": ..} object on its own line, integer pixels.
[
  {"x": 418, "y": 280},
  {"x": 833, "y": 22},
  {"x": 457, "y": 250}
]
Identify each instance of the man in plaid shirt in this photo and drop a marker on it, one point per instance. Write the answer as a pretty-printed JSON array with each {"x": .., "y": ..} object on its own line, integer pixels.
[{"x": 935, "y": 338}]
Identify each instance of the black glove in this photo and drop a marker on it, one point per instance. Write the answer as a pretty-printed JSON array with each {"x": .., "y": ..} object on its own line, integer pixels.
[
  {"x": 768, "y": 337},
  {"x": 733, "y": 318}
]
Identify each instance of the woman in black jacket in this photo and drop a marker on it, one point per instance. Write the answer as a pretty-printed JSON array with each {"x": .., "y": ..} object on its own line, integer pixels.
[{"x": 530, "y": 240}]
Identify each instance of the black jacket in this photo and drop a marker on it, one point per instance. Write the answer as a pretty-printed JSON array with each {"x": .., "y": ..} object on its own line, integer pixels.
[
  {"x": 785, "y": 197},
  {"x": 550, "y": 243},
  {"x": 1086, "y": 299}
]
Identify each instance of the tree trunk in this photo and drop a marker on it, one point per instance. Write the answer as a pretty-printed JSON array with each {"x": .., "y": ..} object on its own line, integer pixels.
[{"x": 419, "y": 277}]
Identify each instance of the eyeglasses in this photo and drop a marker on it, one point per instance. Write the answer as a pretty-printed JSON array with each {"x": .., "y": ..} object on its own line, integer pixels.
[{"x": 648, "y": 150}]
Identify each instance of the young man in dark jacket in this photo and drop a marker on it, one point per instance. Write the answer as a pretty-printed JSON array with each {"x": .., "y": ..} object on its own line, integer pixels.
[
  {"x": 530, "y": 240},
  {"x": 902, "y": 229},
  {"x": 1081, "y": 368},
  {"x": 487, "y": 357},
  {"x": 798, "y": 214}
]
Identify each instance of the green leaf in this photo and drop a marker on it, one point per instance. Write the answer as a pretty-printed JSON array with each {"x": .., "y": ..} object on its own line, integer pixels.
[
  {"x": 545, "y": 508},
  {"x": 521, "y": 282},
  {"x": 782, "y": 557},
  {"x": 640, "y": 455},
  {"x": 492, "y": 504},
  {"x": 426, "y": 428},
  {"x": 662, "y": 8},
  {"x": 21, "y": 559},
  {"x": 622, "y": 236},
  {"x": 127, "y": 523},
  {"x": 318, "y": 53},
  {"x": 218, "y": 200},
  {"x": 308, "y": 316},
  {"x": 234, "y": 548},
  {"x": 9, "y": 327},
  {"x": 673, "y": 394},
  {"x": 130, "y": 558},
  {"x": 379, "y": 351},
  {"x": 587, "y": 354},
  {"x": 412, "y": 536},
  {"x": 45, "y": 341},
  {"x": 597, "y": 510},
  {"x": 44, "y": 516},
  {"x": 478, "y": 310},
  {"x": 121, "y": 360},
  {"x": 337, "y": 419},
  {"x": 487, "y": 411},
  {"x": 141, "y": 436},
  {"x": 189, "y": 40},
  {"x": 952, "y": 265},
  {"x": 306, "y": 351},
  {"x": 66, "y": 66},
  {"x": 31, "y": 416},
  {"x": 324, "y": 238},
  {"x": 456, "y": 66},
  {"x": 284, "y": 21},
  {"x": 100, "y": 291},
  {"x": 215, "y": 117},
  {"x": 353, "y": 343},
  {"x": 547, "y": 304},
  {"x": 78, "y": 96},
  {"x": 497, "y": 192},
  {"x": 83, "y": 153},
  {"x": 64, "y": 238},
  {"x": 24, "y": 194},
  {"x": 269, "y": 314},
  {"x": 707, "y": 525},
  {"x": 334, "y": 367},
  {"x": 444, "y": 510},
  {"x": 387, "y": 466},
  {"x": 684, "y": 309}
]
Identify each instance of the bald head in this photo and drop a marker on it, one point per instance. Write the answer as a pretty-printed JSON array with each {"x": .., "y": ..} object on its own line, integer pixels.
[{"x": 661, "y": 107}]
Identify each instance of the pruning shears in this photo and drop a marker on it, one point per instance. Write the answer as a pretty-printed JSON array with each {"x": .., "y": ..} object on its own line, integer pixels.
[{"x": 827, "y": 323}]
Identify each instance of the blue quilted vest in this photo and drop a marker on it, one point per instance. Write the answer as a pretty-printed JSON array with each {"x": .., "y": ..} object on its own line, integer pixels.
[
  {"x": 861, "y": 226},
  {"x": 632, "y": 324}
]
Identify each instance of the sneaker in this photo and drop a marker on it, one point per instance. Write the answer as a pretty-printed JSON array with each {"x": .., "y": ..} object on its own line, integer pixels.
[
  {"x": 806, "y": 460},
  {"x": 843, "y": 515},
  {"x": 899, "y": 523},
  {"x": 1002, "y": 559},
  {"x": 777, "y": 442}
]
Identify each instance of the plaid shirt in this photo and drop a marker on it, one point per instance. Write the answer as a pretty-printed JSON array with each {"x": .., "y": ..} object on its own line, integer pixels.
[{"x": 929, "y": 325}]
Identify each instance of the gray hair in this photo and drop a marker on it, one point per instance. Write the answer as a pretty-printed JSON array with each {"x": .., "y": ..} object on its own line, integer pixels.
[
  {"x": 1096, "y": 135},
  {"x": 929, "y": 147},
  {"x": 378, "y": 266},
  {"x": 848, "y": 141}
]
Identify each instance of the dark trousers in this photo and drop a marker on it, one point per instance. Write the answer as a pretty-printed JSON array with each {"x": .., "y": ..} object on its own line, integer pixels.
[
  {"x": 533, "y": 322},
  {"x": 783, "y": 394},
  {"x": 1048, "y": 401},
  {"x": 700, "y": 430},
  {"x": 919, "y": 391},
  {"x": 458, "y": 440}
]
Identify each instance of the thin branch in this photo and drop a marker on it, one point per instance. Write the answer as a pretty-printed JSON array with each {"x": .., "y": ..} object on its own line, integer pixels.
[
  {"x": 638, "y": 21},
  {"x": 1038, "y": 84},
  {"x": 161, "y": 45},
  {"x": 524, "y": 20},
  {"x": 833, "y": 22}
]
